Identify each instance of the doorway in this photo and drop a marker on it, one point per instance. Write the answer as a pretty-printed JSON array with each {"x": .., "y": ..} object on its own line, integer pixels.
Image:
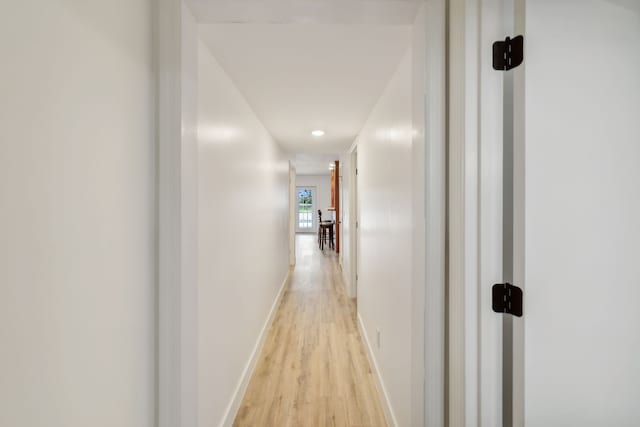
[
  {"x": 355, "y": 223},
  {"x": 306, "y": 220},
  {"x": 305, "y": 130}
]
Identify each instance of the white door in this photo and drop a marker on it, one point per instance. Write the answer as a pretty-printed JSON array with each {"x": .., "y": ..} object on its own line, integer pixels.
[
  {"x": 306, "y": 214},
  {"x": 356, "y": 224},
  {"x": 577, "y": 214},
  {"x": 293, "y": 213}
]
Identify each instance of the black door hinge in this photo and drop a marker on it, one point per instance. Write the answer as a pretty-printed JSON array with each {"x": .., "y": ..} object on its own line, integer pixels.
[
  {"x": 507, "y": 299},
  {"x": 508, "y": 54}
]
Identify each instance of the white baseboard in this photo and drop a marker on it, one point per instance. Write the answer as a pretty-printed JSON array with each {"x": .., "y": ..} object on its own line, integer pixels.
[
  {"x": 382, "y": 391},
  {"x": 241, "y": 389}
]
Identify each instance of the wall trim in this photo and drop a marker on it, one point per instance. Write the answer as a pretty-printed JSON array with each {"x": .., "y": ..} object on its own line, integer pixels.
[
  {"x": 435, "y": 210},
  {"x": 234, "y": 405},
  {"x": 176, "y": 65},
  {"x": 382, "y": 391}
]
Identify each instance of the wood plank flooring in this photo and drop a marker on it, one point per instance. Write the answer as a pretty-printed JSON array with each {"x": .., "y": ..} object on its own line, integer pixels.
[{"x": 313, "y": 370}]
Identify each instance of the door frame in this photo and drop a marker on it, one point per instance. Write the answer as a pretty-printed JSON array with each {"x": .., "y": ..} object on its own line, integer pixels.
[
  {"x": 176, "y": 366},
  {"x": 432, "y": 324},
  {"x": 292, "y": 213},
  {"x": 176, "y": 340},
  {"x": 354, "y": 221},
  {"x": 475, "y": 191}
]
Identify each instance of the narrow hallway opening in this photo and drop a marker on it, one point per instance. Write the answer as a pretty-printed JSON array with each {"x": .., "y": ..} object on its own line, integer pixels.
[
  {"x": 277, "y": 102},
  {"x": 313, "y": 369},
  {"x": 282, "y": 107}
]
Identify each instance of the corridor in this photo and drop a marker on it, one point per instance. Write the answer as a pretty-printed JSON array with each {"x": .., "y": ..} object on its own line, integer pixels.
[{"x": 313, "y": 370}]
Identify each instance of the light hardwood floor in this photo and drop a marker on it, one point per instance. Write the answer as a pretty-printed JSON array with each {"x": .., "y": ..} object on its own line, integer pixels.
[{"x": 313, "y": 370}]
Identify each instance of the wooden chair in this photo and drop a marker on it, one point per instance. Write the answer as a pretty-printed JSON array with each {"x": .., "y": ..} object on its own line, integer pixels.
[
  {"x": 320, "y": 231},
  {"x": 325, "y": 232}
]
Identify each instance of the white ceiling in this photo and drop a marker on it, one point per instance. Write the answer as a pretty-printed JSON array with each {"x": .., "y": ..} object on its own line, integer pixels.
[
  {"x": 301, "y": 77},
  {"x": 314, "y": 164}
]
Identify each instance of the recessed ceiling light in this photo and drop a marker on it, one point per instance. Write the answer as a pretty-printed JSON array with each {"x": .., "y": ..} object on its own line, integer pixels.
[{"x": 317, "y": 132}]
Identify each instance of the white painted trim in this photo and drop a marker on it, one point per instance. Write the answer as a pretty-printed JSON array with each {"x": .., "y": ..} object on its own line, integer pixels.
[
  {"x": 176, "y": 73},
  {"x": 234, "y": 406},
  {"x": 435, "y": 214},
  {"x": 490, "y": 214},
  {"x": 519, "y": 191},
  {"x": 456, "y": 230},
  {"x": 475, "y": 216},
  {"x": 471, "y": 231},
  {"x": 469, "y": 159},
  {"x": 382, "y": 391}
]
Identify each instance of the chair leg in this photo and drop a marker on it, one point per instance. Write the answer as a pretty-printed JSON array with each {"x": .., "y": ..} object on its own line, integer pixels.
[{"x": 331, "y": 238}]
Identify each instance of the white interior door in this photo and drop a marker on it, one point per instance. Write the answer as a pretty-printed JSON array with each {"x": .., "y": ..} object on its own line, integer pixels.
[
  {"x": 293, "y": 213},
  {"x": 356, "y": 224},
  {"x": 306, "y": 212},
  {"x": 577, "y": 214}
]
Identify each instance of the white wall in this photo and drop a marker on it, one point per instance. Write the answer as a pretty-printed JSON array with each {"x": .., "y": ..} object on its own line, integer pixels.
[
  {"x": 323, "y": 191},
  {"x": 243, "y": 236},
  {"x": 76, "y": 214},
  {"x": 385, "y": 271}
]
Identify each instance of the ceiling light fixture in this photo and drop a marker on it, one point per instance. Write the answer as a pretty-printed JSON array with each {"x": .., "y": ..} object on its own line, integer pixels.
[{"x": 317, "y": 132}]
